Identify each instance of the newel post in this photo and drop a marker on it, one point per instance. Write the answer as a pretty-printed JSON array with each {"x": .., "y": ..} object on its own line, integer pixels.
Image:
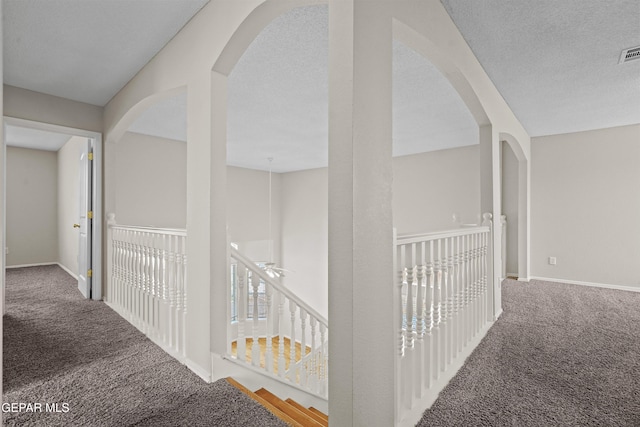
[
  {"x": 491, "y": 279},
  {"x": 111, "y": 221}
]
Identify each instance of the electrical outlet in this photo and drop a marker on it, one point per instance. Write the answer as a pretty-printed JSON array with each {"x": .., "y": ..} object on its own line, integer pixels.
[{"x": 552, "y": 260}]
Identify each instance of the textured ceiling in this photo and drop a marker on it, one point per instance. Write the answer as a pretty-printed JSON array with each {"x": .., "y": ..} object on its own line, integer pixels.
[
  {"x": 86, "y": 50},
  {"x": 555, "y": 63},
  {"x": 278, "y": 104}
]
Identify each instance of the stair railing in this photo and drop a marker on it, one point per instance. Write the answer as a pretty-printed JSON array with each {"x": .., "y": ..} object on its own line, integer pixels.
[
  {"x": 295, "y": 335},
  {"x": 444, "y": 289},
  {"x": 147, "y": 281}
]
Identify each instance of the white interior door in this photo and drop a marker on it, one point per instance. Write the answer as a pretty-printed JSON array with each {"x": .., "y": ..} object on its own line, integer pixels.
[{"x": 85, "y": 222}]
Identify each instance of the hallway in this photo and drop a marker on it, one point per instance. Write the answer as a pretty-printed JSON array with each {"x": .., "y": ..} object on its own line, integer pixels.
[{"x": 98, "y": 368}]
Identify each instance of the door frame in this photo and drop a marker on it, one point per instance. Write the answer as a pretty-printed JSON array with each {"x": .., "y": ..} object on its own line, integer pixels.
[{"x": 96, "y": 196}]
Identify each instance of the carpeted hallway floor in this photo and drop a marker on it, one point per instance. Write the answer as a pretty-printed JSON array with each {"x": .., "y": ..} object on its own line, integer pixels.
[
  {"x": 61, "y": 348},
  {"x": 560, "y": 355}
]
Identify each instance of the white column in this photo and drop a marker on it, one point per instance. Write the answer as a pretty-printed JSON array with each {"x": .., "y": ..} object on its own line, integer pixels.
[
  {"x": 361, "y": 348},
  {"x": 199, "y": 176},
  {"x": 490, "y": 201},
  {"x": 219, "y": 262},
  {"x": 524, "y": 223}
]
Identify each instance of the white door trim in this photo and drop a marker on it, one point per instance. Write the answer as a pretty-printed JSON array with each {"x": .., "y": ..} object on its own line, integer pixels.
[{"x": 96, "y": 228}]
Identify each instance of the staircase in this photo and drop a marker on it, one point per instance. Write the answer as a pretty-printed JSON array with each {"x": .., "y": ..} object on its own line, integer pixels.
[{"x": 287, "y": 410}]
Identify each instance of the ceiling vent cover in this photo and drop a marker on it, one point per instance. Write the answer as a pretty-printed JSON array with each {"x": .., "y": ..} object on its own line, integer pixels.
[{"x": 629, "y": 54}]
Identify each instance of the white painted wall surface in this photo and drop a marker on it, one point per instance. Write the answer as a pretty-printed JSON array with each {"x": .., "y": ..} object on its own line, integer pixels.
[
  {"x": 151, "y": 176},
  {"x": 248, "y": 212},
  {"x": 585, "y": 206},
  {"x": 510, "y": 205},
  {"x": 429, "y": 188},
  {"x": 32, "y": 212},
  {"x": 418, "y": 206},
  {"x": 151, "y": 190},
  {"x": 68, "y": 199},
  {"x": 305, "y": 235},
  {"x": 39, "y": 107}
]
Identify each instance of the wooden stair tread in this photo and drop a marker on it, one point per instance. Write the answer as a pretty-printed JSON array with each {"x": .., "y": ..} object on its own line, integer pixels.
[
  {"x": 288, "y": 409},
  {"x": 309, "y": 413},
  {"x": 319, "y": 413},
  {"x": 264, "y": 402}
]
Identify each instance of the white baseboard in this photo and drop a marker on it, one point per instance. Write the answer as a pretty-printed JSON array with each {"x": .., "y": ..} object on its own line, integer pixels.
[
  {"x": 519, "y": 279},
  {"x": 597, "y": 285},
  {"x": 31, "y": 265},
  {"x": 40, "y": 264},
  {"x": 71, "y": 273},
  {"x": 198, "y": 370}
]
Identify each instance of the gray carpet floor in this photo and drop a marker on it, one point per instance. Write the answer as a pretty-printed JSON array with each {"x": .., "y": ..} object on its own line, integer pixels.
[
  {"x": 61, "y": 348},
  {"x": 560, "y": 355}
]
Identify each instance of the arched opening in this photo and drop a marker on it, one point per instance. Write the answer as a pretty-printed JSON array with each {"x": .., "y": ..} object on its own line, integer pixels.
[
  {"x": 515, "y": 205},
  {"x": 150, "y": 190},
  {"x": 510, "y": 189},
  {"x": 435, "y": 147}
]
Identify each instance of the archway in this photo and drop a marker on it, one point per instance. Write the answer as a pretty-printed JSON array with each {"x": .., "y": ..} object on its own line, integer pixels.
[{"x": 516, "y": 201}]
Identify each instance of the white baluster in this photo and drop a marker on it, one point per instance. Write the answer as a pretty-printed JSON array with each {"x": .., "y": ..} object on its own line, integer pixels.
[
  {"x": 313, "y": 367},
  {"x": 185, "y": 293},
  {"x": 292, "y": 341},
  {"x": 130, "y": 278},
  {"x": 442, "y": 344},
  {"x": 269, "y": 338},
  {"x": 409, "y": 307},
  {"x": 178, "y": 295},
  {"x": 459, "y": 295},
  {"x": 451, "y": 304},
  {"x": 241, "y": 343},
  {"x": 303, "y": 347},
  {"x": 255, "y": 349},
  {"x": 406, "y": 257},
  {"x": 468, "y": 282},
  {"x": 430, "y": 316},
  {"x": 419, "y": 344},
  {"x": 146, "y": 281},
  {"x": 323, "y": 372},
  {"x": 281, "y": 358},
  {"x": 437, "y": 304},
  {"x": 402, "y": 280}
]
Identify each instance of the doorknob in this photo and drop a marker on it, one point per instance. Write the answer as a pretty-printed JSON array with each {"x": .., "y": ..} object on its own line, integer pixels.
[{"x": 76, "y": 225}]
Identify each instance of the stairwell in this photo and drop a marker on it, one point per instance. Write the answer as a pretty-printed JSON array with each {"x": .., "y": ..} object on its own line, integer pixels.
[{"x": 287, "y": 410}]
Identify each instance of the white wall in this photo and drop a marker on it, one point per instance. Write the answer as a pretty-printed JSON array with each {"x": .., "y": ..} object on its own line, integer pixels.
[
  {"x": 68, "y": 199},
  {"x": 32, "y": 216},
  {"x": 510, "y": 205},
  {"x": 305, "y": 235},
  {"x": 585, "y": 206},
  {"x": 429, "y": 188},
  {"x": 151, "y": 190},
  {"x": 248, "y": 212},
  {"x": 39, "y": 107},
  {"x": 151, "y": 176}
]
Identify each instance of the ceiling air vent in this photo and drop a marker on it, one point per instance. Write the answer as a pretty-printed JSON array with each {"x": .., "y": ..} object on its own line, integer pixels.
[{"x": 629, "y": 54}]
